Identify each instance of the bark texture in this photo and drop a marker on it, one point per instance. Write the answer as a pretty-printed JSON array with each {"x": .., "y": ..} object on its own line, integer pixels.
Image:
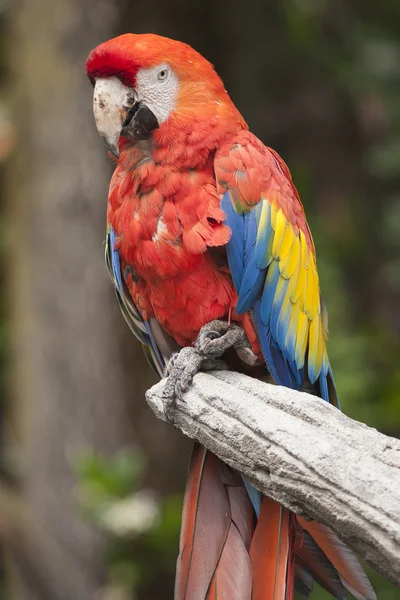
[{"x": 303, "y": 453}]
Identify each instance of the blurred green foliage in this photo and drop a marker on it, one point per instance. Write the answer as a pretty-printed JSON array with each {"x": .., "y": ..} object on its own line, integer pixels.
[
  {"x": 143, "y": 532},
  {"x": 104, "y": 480},
  {"x": 360, "y": 57},
  {"x": 356, "y": 48}
]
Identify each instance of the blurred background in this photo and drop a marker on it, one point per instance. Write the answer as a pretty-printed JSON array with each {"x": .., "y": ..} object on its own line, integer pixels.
[{"x": 91, "y": 483}]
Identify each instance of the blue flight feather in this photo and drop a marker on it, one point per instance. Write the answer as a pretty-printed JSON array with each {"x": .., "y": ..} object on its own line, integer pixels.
[
  {"x": 116, "y": 267},
  {"x": 235, "y": 247},
  {"x": 254, "y": 495},
  {"x": 268, "y": 296},
  {"x": 323, "y": 386},
  {"x": 253, "y": 277},
  {"x": 115, "y": 261}
]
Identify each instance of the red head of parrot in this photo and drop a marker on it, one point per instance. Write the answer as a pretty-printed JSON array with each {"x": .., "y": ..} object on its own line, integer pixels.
[{"x": 150, "y": 85}]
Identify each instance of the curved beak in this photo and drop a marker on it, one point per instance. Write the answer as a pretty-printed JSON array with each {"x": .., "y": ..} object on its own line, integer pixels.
[
  {"x": 110, "y": 107},
  {"x": 117, "y": 111}
]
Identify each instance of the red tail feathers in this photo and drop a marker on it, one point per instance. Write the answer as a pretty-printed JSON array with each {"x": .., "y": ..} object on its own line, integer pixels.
[
  {"x": 342, "y": 559},
  {"x": 272, "y": 553},
  {"x": 216, "y": 532},
  {"x": 221, "y": 556},
  {"x": 226, "y": 554},
  {"x": 205, "y": 526}
]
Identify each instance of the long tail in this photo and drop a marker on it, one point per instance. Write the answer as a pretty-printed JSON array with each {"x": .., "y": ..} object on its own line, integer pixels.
[
  {"x": 223, "y": 556},
  {"x": 228, "y": 553},
  {"x": 272, "y": 553},
  {"x": 217, "y": 528}
]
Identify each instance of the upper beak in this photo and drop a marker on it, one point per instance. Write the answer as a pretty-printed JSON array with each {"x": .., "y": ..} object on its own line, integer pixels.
[
  {"x": 110, "y": 99},
  {"x": 117, "y": 111},
  {"x": 112, "y": 146}
]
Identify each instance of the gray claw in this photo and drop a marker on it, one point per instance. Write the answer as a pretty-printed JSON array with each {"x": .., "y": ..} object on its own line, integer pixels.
[
  {"x": 182, "y": 367},
  {"x": 207, "y": 335},
  {"x": 213, "y": 340}
]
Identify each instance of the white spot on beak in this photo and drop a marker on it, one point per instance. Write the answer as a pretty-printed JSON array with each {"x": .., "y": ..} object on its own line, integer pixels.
[{"x": 111, "y": 103}]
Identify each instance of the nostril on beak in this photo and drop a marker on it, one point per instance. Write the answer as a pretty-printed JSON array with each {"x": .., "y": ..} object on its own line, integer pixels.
[{"x": 131, "y": 114}]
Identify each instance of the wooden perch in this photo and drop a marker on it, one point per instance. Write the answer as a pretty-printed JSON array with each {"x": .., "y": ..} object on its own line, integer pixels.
[{"x": 302, "y": 452}]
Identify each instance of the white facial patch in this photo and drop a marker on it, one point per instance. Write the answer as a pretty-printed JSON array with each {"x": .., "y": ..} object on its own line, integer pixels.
[{"x": 157, "y": 88}]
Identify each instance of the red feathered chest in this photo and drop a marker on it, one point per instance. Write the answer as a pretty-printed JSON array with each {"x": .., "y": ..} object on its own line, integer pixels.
[{"x": 170, "y": 233}]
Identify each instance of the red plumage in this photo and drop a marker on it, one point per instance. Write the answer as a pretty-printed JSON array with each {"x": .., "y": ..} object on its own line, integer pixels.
[
  {"x": 164, "y": 225},
  {"x": 115, "y": 58},
  {"x": 342, "y": 559},
  {"x": 272, "y": 553},
  {"x": 215, "y": 500}
]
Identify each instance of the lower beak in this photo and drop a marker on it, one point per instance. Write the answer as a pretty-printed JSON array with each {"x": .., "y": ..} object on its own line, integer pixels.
[{"x": 140, "y": 123}]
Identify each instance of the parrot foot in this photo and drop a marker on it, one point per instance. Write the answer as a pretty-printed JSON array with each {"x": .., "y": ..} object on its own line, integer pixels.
[
  {"x": 213, "y": 340},
  {"x": 217, "y": 336},
  {"x": 181, "y": 369}
]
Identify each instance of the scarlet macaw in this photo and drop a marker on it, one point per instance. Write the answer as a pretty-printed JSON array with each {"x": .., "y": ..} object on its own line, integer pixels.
[{"x": 205, "y": 224}]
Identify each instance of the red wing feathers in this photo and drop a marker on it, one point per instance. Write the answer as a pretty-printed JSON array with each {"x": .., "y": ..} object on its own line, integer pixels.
[{"x": 251, "y": 171}]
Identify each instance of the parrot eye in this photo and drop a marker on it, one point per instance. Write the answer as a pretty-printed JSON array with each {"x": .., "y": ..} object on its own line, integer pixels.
[{"x": 162, "y": 75}]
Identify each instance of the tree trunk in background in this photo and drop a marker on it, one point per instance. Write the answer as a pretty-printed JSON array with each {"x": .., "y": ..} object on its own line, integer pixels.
[{"x": 78, "y": 376}]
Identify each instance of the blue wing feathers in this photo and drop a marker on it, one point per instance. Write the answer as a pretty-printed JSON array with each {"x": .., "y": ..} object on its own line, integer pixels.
[
  {"x": 254, "y": 495},
  {"x": 262, "y": 291},
  {"x": 323, "y": 386},
  {"x": 235, "y": 248},
  {"x": 116, "y": 269},
  {"x": 273, "y": 356},
  {"x": 247, "y": 277},
  {"x": 115, "y": 260},
  {"x": 253, "y": 277},
  {"x": 250, "y": 290}
]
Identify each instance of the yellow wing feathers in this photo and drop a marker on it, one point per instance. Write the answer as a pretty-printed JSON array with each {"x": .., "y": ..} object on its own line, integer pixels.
[{"x": 292, "y": 278}]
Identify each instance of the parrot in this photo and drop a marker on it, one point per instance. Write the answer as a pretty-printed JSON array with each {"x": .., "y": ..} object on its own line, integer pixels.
[{"x": 212, "y": 259}]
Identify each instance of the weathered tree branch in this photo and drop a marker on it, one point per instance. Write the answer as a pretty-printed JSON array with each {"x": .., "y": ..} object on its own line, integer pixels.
[{"x": 303, "y": 453}]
